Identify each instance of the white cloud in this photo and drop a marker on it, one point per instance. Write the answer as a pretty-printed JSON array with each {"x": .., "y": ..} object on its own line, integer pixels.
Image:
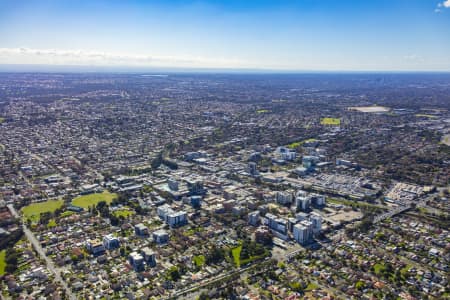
[
  {"x": 445, "y": 3},
  {"x": 81, "y": 57}
]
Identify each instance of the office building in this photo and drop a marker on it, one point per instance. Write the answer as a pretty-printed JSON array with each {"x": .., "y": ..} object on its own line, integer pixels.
[
  {"x": 277, "y": 224},
  {"x": 316, "y": 221},
  {"x": 111, "y": 242},
  {"x": 136, "y": 261},
  {"x": 161, "y": 236},
  {"x": 171, "y": 217},
  {"x": 149, "y": 256},
  {"x": 253, "y": 218},
  {"x": 303, "y": 232},
  {"x": 303, "y": 203},
  {"x": 284, "y": 198},
  {"x": 141, "y": 230},
  {"x": 252, "y": 170},
  {"x": 318, "y": 200},
  {"x": 95, "y": 247},
  {"x": 284, "y": 153},
  {"x": 196, "y": 201}
]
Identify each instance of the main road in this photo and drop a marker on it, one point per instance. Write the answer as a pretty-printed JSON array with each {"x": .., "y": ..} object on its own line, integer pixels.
[{"x": 37, "y": 246}]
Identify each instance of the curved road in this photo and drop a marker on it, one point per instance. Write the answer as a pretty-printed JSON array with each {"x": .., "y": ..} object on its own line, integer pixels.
[{"x": 37, "y": 246}]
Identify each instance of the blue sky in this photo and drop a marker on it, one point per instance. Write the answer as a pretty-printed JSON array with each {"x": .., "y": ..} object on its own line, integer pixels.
[{"x": 258, "y": 34}]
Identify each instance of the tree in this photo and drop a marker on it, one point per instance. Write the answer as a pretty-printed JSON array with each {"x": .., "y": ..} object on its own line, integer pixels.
[
  {"x": 174, "y": 273},
  {"x": 203, "y": 296},
  {"x": 215, "y": 255}
]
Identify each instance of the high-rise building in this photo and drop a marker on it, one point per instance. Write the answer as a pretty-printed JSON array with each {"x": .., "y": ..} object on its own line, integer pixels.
[
  {"x": 303, "y": 232},
  {"x": 111, "y": 242},
  {"x": 309, "y": 162},
  {"x": 149, "y": 256},
  {"x": 278, "y": 224},
  {"x": 196, "y": 201},
  {"x": 141, "y": 230},
  {"x": 284, "y": 198},
  {"x": 318, "y": 200},
  {"x": 303, "y": 203},
  {"x": 173, "y": 184},
  {"x": 316, "y": 221},
  {"x": 171, "y": 217},
  {"x": 160, "y": 236},
  {"x": 137, "y": 261},
  {"x": 253, "y": 218},
  {"x": 285, "y": 153},
  {"x": 252, "y": 170}
]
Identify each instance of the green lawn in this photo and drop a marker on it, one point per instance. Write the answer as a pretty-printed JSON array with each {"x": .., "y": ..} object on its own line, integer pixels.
[
  {"x": 67, "y": 213},
  {"x": 330, "y": 121},
  {"x": 404, "y": 270},
  {"x": 51, "y": 223},
  {"x": 199, "y": 260},
  {"x": 297, "y": 144},
  {"x": 92, "y": 199},
  {"x": 192, "y": 231},
  {"x": 124, "y": 212},
  {"x": 378, "y": 268},
  {"x": 311, "y": 286},
  {"x": 252, "y": 258},
  {"x": 2, "y": 262},
  {"x": 33, "y": 211},
  {"x": 236, "y": 252}
]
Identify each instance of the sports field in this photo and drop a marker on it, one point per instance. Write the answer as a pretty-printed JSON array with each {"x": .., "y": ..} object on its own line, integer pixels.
[
  {"x": 93, "y": 199},
  {"x": 34, "y": 210},
  {"x": 298, "y": 144},
  {"x": 330, "y": 121},
  {"x": 2, "y": 262}
]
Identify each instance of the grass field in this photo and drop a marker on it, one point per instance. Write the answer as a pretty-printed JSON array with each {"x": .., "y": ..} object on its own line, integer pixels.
[
  {"x": 92, "y": 199},
  {"x": 2, "y": 262},
  {"x": 330, "y": 121},
  {"x": 236, "y": 252},
  {"x": 67, "y": 213},
  {"x": 199, "y": 260},
  {"x": 311, "y": 286},
  {"x": 34, "y": 210},
  {"x": 378, "y": 268},
  {"x": 124, "y": 212},
  {"x": 51, "y": 223},
  {"x": 297, "y": 144}
]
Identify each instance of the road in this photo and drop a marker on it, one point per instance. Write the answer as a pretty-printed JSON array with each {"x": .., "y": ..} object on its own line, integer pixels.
[
  {"x": 37, "y": 246},
  {"x": 391, "y": 213}
]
